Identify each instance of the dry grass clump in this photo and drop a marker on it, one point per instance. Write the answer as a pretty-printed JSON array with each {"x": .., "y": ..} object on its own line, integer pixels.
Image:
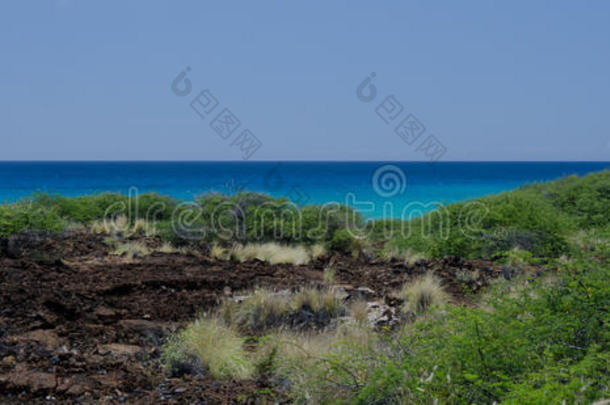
[
  {"x": 298, "y": 357},
  {"x": 219, "y": 348},
  {"x": 121, "y": 224},
  {"x": 139, "y": 226},
  {"x": 272, "y": 253},
  {"x": 317, "y": 250},
  {"x": 167, "y": 247},
  {"x": 318, "y": 301},
  {"x": 408, "y": 257},
  {"x": 589, "y": 240},
  {"x": 329, "y": 276},
  {"x": 219, "y": 253},
  {"x": 72, "y": 226},
  {"x": 131, "y": 249},
  {"x": 304, "y": 348},
  {"x": 262, "y": 309},
  {"x": 359, "y": 311},
  {"x": 297, "y": 350},
  {"x": 142, "y": 226},
  {"x": 209, "y": 343},
  {"x": 312, "y": 360},
  {"x": 98, "y": 227},
  {"x": 265, "y": 309},
  {"x": 423, "y": 294}
]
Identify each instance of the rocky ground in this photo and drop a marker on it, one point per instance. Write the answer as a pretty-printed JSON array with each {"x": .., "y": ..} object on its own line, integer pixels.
[{"x": 80, "y": 325}]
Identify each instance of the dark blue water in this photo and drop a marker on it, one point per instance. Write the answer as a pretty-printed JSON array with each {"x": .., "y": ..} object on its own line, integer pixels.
[{"x": 303, "y": 182}]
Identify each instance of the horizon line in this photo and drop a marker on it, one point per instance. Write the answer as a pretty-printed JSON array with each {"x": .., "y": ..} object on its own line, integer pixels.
[{"x": 300, "y": 161}]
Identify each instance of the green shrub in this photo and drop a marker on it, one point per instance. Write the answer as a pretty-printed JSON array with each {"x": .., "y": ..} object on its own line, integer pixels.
[
  {"x": 254, "y": 217},
  {"x": 548, "y": 343},
  {"x": 87, "y": 208},
  {"x": 81, "y": 209},
  {"x": 538, "y": 218},
  {"x": 343, "y": 241},
  {"x": 583, "y": 198},
  {"x": 24, "y": 216}
]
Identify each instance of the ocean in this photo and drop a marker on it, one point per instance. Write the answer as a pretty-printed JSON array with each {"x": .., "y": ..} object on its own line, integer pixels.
[{"x": 377, "y": 189}]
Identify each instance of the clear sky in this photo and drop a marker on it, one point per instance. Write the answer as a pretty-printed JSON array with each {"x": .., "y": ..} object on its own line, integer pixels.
[{"x": 491, "y": 80}]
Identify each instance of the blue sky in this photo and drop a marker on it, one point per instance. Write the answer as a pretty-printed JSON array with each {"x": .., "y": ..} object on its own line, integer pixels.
[{"x": 523, "y": 80}]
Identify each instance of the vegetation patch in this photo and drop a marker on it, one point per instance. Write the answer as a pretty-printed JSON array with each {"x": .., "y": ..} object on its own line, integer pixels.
[
  {"x": 274, "y": 253},
  {"x": 538, "y": 336},
  {"x": 218, "y": 347},
  {"x": 531, "y": 338},
  {"x": 131, "y": 249},
  {"x": 422, "y": 294},
  {"x": 264, "y": 309}
]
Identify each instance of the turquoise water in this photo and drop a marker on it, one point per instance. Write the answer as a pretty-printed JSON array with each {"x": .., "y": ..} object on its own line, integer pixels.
[{"x": 396, "y": 184}]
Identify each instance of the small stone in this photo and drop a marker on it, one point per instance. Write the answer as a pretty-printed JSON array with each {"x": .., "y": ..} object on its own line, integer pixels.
[
  {"x": 45, "y": 337},
  {"x": 33, "y": 380},
  {"x": 365, "y": 290},
  {"x": 77, "y": 389},
  {"x": 105, "y": 314},
  {"x": 118, "y": 349},
  {"x": 144, "y": 327},
  {"x": 9, "y": 361},
  {"x": 340, "y": 293}
]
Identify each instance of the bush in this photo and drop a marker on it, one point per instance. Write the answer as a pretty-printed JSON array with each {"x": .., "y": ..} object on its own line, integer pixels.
[
  {"x": 584, "y": 199},
  {"x": 538, "y": 218},
  {"x": 548, "y": 343},
  {"x": 245, "y": 217},
  {"x": 83, "y": 209},
  {"x": 343, "y": 241},
  {"x": 23, "y": 216},
  {"x": 321, "y": 222},
  {"x": 253, "y": 217},
  {"x": 88, "y": 208}
]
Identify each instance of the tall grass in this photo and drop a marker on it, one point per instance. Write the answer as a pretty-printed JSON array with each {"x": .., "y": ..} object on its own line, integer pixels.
[
  {"x": 422, "y": 294},
  {"x": 272, "y": 253},
  {"x": 547, "y": 343},
  {"x": 217, "y": 346},
  {"x": 264, "y": 309}
]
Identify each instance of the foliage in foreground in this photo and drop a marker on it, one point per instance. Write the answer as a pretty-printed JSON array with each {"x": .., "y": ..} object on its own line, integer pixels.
[
  {"x": 264, "y": 309},
  {"x": 529, "y": 340},
  {"x": 217, "y": 346},
  {"x": 550, "y": 342},
  {"x": 20, "y": 217}
]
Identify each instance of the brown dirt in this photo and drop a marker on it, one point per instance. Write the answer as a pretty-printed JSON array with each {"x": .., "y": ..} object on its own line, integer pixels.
[{"x": 77, "y": 324}]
